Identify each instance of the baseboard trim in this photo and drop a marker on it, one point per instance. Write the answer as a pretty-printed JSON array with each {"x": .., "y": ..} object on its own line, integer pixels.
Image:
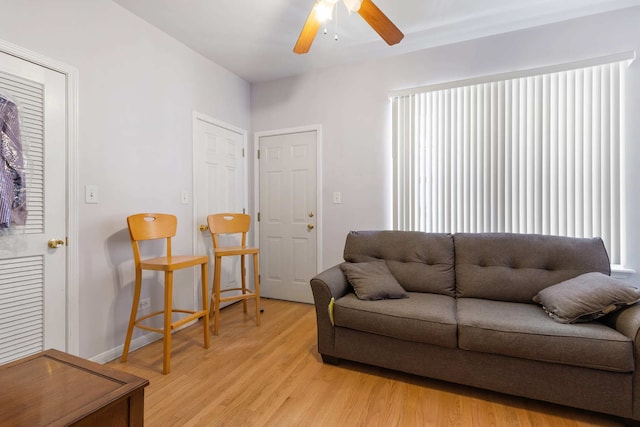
[
  {"x": 136, "y": 343},
  {"x": 116, "y": 352}
]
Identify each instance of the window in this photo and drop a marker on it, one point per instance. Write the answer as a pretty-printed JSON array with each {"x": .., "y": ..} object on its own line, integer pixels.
[{"x": 530, "y": 152}]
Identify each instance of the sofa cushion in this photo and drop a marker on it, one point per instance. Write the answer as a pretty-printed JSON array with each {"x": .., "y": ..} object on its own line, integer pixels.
[
  {"x": 586, "y": 297},
  {"x": 515, "y": 267},
  {"x": 523, "y": 330},
  {"x": 423, "y": 317},
  {"x": 372, "y": 280},
  {"x": 420, "y": 262}
]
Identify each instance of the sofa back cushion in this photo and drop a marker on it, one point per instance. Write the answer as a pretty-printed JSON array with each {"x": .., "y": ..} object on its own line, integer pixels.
[
  {"x": 515, "y": 267},
  {"x": 420, "y": 262}
]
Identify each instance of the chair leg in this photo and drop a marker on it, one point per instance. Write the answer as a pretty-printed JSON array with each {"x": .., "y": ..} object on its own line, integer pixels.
[
  {"x": 256, "y": 278},
  {"x": 134, "y": 314},
  {"x": 205, "y": 309},
  {"x": 168, "y": 294},
  {"x": 216, "y": 293},
  {"x": 243, "y": 272},
  {"x": 212, "y": 302}
]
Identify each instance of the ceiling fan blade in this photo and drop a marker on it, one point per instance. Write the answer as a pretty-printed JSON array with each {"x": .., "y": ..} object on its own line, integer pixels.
[
  {"x": 380, "y": 23},
  {"x": 308, "y": 33}
]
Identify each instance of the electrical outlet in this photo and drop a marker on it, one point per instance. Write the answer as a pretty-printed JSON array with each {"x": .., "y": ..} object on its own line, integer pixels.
[{"x": 145, "y": 304}]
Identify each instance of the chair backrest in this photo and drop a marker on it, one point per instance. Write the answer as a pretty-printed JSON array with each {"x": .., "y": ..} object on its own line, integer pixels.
[
  {"x": 229, "y": 223},
  {"x": 151, "y": 226}
]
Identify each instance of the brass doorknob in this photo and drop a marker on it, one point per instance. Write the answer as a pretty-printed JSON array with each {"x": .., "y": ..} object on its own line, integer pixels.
[
  {"x": 55, "y": 243},
  {"x": 310, "y": 226},
  {"x": 203, "y": 227}
]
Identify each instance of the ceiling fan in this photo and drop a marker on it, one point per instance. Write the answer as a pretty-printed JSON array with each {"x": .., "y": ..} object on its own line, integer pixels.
[{"x": 323, "y": 10}]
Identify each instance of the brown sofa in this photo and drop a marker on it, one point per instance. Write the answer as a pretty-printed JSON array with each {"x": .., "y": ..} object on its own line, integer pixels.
[{"x": 470, "y": 318}]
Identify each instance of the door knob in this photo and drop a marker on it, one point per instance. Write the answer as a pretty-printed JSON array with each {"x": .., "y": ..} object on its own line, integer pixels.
[
  {"x": 310, "y": 226},
  {"x": 203, "y": 227},
  {"x": 55, "y": 243}
]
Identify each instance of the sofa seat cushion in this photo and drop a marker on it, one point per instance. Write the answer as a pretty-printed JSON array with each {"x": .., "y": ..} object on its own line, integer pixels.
[
  {"x": 423, "y": 317},
  {"x": 526, "y": 331}
]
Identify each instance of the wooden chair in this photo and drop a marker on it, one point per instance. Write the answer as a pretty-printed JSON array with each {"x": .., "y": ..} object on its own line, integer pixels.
[
  {"x": 232, "y": 223},
  {"x": 152, "y": 226}
]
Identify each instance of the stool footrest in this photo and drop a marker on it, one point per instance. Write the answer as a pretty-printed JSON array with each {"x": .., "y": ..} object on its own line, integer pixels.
[
  {"x": 194, "y": 315},
  {"x": 238, "y": 297}
]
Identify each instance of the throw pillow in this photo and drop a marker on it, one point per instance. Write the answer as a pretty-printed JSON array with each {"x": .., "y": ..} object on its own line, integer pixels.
[
  {"x": 372, "y": 280},
  {"x": 586, "y": 297}
]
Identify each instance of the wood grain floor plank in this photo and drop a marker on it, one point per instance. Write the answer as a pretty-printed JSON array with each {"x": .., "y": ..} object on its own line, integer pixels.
[{"x": 273, "y": 376}]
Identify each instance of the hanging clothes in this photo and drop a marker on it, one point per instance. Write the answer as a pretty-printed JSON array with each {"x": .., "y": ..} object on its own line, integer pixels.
[{"x": 13, "y": 195}]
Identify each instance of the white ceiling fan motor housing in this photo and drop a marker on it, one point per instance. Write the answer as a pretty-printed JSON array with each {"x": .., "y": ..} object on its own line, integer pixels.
[{"x": 353, "y": 5}]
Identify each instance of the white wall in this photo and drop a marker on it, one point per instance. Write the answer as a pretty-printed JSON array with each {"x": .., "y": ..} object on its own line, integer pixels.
[
  {"x": 351, "y": 102},
  {"x": 138, "y": 88}
]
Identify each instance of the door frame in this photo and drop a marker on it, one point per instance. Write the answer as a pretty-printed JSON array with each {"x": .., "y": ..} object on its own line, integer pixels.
[
  {"x": 72, "y": 192},
  {"x": 194, "y": 205},
  {"x": 256, "y": 175}
]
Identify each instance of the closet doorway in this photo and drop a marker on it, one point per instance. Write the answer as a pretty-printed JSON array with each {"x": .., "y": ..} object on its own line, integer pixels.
[
  {"x": 220, "y": 185},
  {"x": 33, "y": 257}
]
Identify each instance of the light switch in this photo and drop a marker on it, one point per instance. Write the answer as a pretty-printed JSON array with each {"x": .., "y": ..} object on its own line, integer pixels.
[
  {"x": 91, "y": 194},
  {"x": 184, "y": 197},
  {"x": 337, "y": 197}
]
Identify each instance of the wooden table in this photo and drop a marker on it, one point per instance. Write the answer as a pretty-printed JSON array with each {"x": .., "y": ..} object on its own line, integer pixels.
[{"x": 56, "y": 389}]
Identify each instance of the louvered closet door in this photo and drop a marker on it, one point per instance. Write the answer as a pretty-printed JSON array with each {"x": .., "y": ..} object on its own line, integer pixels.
[{"x": 32, "y": 275}]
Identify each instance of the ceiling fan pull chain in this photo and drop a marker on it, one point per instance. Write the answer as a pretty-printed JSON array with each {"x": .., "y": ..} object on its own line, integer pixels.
[{"x": 335, "y": 37}]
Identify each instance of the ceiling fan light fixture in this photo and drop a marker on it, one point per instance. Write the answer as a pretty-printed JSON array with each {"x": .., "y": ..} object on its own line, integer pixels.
[
  {"x": 324, "y": 9},
  {"x": 353, "y": 5}
]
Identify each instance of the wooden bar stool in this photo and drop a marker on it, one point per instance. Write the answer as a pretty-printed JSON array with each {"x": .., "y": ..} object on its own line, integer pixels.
[
  {"x": 152, "y": 226},
  {"x": 232, "y": 223}
]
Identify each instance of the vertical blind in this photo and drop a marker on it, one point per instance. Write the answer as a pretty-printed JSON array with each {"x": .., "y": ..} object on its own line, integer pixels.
[{"x": 540, "y": 153}]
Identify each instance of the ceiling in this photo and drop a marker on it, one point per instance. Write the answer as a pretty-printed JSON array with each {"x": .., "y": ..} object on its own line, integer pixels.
[{"x": 254, "y": 38}]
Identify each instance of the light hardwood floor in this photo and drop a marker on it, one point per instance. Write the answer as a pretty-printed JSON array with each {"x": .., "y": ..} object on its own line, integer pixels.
[{"x": 272, "y": 375}]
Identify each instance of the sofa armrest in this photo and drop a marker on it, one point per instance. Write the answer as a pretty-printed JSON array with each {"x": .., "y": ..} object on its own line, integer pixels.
[
  {"x": 331, "y": 283},
  {"x": 627, "y": 322}
]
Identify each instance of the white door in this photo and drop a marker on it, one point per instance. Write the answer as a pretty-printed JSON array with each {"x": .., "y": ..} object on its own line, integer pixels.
[
  {"x": 32, "y": 275},
  {"x": 288, "y": 215},
  {"x": 220, "y": 186}
]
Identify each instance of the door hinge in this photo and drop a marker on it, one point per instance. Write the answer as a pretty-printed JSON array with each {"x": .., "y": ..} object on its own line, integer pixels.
[
  {"x": 258, "y": 216},
  {"x": 244, "y": 211},
  {"x": 243, "y": 152},
  {"x": 258, "y": 154}
]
